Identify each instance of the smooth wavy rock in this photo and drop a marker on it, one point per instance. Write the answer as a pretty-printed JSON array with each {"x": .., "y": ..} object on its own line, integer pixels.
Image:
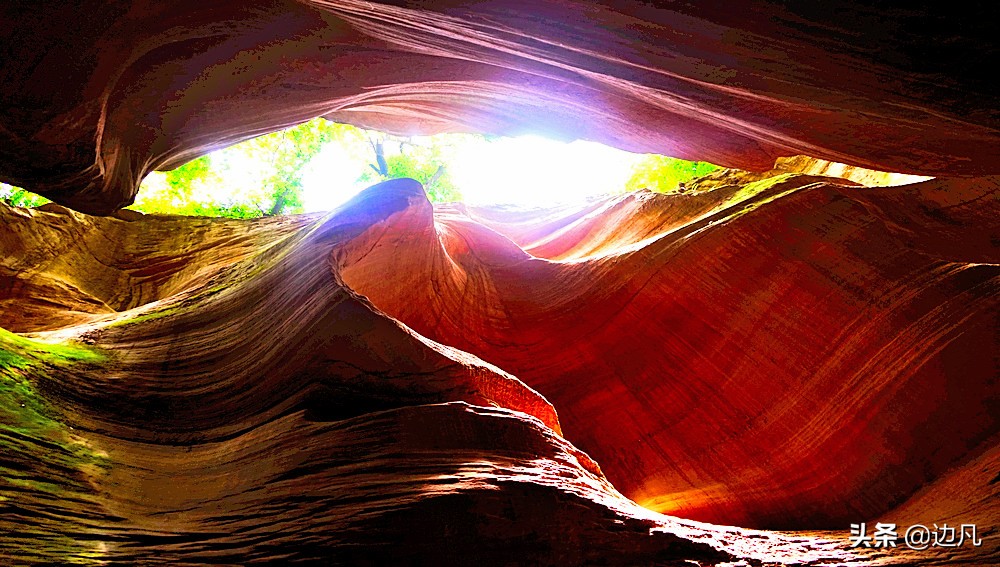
[
  {"x": 796, "y": 352},
  {"x": 253, "y": 409},
  {"x": 105, "y": 91}
]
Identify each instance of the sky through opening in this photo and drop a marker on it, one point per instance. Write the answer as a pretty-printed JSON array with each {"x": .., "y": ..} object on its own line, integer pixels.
[{"x": 527, "y": 171}]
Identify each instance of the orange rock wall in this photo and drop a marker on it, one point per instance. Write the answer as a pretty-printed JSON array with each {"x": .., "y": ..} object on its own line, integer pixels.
[
  {"x": 815, "y": 353},
  {"x": 267, "y": 413}
]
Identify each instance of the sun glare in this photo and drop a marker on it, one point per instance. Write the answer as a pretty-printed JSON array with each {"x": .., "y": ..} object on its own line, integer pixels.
[
  {"x": 528, "y": 171},
  {"x": 536, "y": 171},
  {"x": 299, "y": 171},
  {"x": 331, "y": 178}
]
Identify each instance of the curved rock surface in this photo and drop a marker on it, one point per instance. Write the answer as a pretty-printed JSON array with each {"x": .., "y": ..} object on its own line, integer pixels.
[
  {"x": 110, "y": 90},
  {"x": 381, "y": 384},
  {"x": 148, "y": 436},
  {"x": 789, "y": 353}
]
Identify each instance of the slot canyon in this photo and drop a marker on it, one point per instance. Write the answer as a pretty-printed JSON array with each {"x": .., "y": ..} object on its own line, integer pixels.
[{"x": 806, "y": 339}]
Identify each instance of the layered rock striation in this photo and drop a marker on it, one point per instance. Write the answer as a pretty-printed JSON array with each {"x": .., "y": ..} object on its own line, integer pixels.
[
  {"x": 793, "y": 352},
  {"x": 776, "y": 349},
  {"x": 268, "y": 403}
]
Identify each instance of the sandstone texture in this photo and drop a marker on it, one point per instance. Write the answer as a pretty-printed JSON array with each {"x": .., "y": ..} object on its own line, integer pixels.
[
  {"x": 271, "y": 405},
  {"x": 730, "y": 376}
]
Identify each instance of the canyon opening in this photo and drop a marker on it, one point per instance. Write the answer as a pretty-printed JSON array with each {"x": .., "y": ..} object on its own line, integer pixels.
[{"x": 500, "y": 283}]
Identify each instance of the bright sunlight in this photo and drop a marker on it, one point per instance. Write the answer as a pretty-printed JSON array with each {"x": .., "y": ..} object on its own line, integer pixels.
[
  {"x": 319, "y": 165},
  {"x": 526, "y": 171}
]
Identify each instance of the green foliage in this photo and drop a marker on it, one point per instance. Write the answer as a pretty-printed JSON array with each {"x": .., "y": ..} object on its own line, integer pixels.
[
  {"x": 432, "y": 173},
  {"x": 285, "y": 154},
  {"x": 187, "y": 190},
  {"x": 186, "y": 175},
  {"x": 17, "y": 197},
  {"x": 269, "y": 168},
  {"x": 263, "y": 176},
  {"x": 663, "y": 174},
  {"x": 425, "y": 159}
]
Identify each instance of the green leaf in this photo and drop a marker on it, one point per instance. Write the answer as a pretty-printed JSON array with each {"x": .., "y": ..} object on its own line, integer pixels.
[
  {"x": 663, "y": 174},
  {"x": 17, "y": 197}
]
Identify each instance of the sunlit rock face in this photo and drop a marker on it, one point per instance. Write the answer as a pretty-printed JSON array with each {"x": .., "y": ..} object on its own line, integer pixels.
[
  {"x": 107, "y": 91},
  {"x": 251, "y": 406},
  {"x": 794, "y": 352},
  {"x": 863, "y": 176}
]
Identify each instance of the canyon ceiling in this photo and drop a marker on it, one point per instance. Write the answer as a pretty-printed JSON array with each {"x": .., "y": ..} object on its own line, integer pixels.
[
  {"x": 395, "y": 382},
  {"x": 107, "y": 91}
]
